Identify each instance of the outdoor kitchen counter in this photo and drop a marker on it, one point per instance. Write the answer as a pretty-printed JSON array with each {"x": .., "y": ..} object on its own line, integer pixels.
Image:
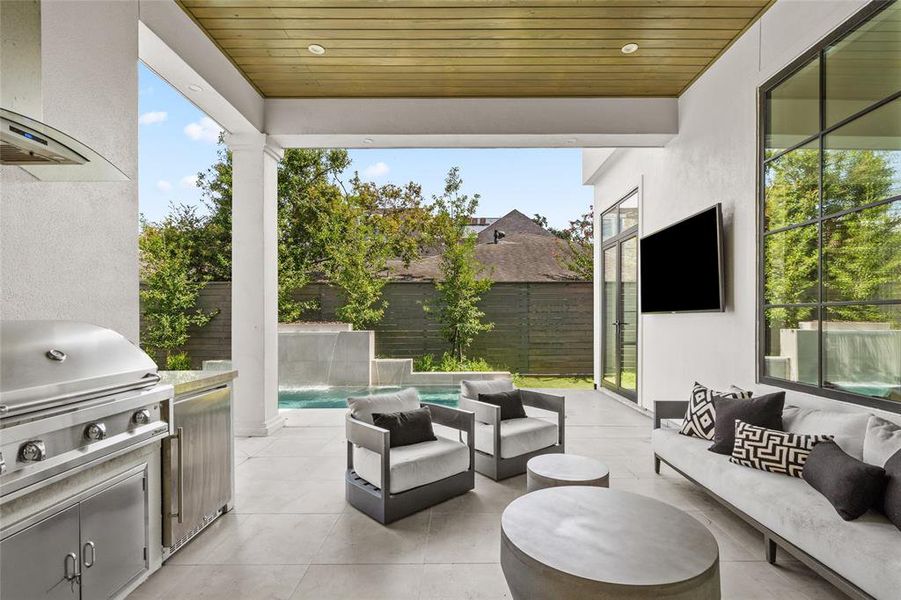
[{"x": 186, "y": 382}]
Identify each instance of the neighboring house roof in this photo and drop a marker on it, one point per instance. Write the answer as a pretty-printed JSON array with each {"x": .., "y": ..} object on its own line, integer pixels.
[
  {"x": 512, "y": 222},
  {"x": 528, "y": 253}
]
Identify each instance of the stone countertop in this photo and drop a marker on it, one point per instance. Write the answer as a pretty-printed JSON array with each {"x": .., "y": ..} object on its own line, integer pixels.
[{"x": 186, "y": 382}]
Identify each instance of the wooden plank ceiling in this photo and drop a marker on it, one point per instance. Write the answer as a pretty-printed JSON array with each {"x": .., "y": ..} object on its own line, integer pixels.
[{"x": 472, "y": 48}]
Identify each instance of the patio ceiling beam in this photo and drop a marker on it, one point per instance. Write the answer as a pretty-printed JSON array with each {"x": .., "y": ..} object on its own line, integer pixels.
[
  {"x": 178, "y": 51},
  {"x": 472, "y": 122}
]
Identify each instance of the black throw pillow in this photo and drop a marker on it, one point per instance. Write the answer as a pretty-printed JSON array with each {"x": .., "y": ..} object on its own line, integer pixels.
[
  {"x": 763, "y": 411},
  {"x": 850, "y": 485},
  {"x": 510, "y": 403},
  {"x": 408, "y": 427},
  {"x": 891, "y": 501}
]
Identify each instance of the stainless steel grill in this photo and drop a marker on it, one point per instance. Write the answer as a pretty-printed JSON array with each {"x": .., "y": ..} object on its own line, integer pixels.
[{"x": 72, "y": 394}]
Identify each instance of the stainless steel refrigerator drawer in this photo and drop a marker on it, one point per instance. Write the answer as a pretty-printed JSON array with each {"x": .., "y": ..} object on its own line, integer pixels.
[{"x": 197, "y": 465}]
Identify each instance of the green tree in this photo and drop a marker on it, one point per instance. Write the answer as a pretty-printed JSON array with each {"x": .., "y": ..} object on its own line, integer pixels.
[
  {"x": 579, "y": 238},
  {"x": 861, "y": 257},
  {"x": 325, "y": 232},
  {"x": 170, "y": 287},
  {"x": 460, "y": 287}
]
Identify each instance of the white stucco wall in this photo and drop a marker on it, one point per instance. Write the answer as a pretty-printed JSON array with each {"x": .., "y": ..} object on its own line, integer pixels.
[
  {"x": 69, "y": 250},
  {"x": 712, "y": 160}
]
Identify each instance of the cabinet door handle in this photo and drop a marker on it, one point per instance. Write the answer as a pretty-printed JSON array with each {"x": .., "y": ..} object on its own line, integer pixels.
[
  {"x": 180, "y": 493},
  {"x": 84, "y": 554},
  {"x": 74, "y": 573}
]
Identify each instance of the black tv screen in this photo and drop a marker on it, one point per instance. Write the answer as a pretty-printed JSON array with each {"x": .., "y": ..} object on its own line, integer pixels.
[{"x": 682, "y": 265}]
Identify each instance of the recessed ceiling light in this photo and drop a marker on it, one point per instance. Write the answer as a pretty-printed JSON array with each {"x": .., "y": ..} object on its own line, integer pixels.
[
  {"x": 367, "y": 140},
  {"x": 195, "y": 88},
  {"x": 630, "y": 48},
  {"x": 316, "y": 49}
]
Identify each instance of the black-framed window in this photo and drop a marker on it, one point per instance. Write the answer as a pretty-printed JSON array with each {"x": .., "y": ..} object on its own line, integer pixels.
[{"x": 830, "y": 216}]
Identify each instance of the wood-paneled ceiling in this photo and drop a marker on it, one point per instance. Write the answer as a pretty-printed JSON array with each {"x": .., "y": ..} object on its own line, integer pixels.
[{"x": 472, "y": 48}]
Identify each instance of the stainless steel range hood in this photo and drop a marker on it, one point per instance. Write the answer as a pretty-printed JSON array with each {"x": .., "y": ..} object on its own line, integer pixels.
[{"x": 40, "y": 149}]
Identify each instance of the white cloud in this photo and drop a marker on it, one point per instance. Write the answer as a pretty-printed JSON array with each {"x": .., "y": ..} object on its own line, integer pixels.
[
  {"x": 164, "y": 186},
  {"x": 188, "y": 181},
  {"x": 149, "y": 118},
  {"x": 204, "y": 130},
  {"x": 376, "y": 170}
]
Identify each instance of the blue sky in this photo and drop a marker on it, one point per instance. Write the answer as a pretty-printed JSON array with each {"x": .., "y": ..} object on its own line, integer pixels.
[{"x": 177, "y": 140}]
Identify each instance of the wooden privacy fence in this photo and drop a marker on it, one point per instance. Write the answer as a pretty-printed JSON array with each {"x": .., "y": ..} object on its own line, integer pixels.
[{"x": 539, "y": 328}]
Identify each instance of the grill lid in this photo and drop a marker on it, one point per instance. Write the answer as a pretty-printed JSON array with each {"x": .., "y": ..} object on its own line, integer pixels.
[{"x": 48, "y": 363}]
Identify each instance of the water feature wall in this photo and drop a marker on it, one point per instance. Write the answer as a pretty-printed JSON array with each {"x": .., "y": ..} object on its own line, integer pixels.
[{"x": 324, "y": 354}]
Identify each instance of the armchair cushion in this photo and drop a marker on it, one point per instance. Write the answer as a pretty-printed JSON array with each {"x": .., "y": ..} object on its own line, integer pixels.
[
  {"x": 407, "y": 427},
  {"x": 518, "y": 436},
  {"x": 510, "y": 403},
  {"x": 472, "y": 389},
  {"x": 362, "y": 407},
  {"x": 414, "y": 465}
]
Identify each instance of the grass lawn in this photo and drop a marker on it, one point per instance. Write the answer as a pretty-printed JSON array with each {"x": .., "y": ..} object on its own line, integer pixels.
[{"x": 575, "y": 383}]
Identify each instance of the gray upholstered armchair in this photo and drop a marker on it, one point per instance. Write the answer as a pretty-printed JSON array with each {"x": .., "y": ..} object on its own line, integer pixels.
[
  {"x": 502, "y": 448},
  {"x": 391, "y": 483}
]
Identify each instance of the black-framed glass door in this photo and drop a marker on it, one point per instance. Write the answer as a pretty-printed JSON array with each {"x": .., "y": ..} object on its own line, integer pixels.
[{"x": 619, "y": 297}]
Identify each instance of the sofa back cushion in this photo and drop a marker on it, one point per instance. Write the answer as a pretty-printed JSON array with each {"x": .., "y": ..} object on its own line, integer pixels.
[
  {"x": 362, "y": 407},
  {"x": 848, "y": 429},
  {"x": 892, "y": 498},
  {"x": 472, "y": 389},
  {"x": 881, "y": 441}
]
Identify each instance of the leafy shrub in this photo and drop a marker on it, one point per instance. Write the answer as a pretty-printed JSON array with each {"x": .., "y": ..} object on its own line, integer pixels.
[
  {"x": 449, "y": 362},
  {"x": 178, "y": 362}
]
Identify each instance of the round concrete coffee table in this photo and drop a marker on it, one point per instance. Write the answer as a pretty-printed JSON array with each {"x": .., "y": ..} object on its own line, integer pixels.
[
  {"x": 552, "y": 470},
  {"x": 589, "y": 542}
]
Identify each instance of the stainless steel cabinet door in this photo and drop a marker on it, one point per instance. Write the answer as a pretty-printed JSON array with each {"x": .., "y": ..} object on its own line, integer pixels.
[
  {"x": 113, "y": 534},
  {"x": 199, "y": 481},
  {"x": 35, "y": 563}
]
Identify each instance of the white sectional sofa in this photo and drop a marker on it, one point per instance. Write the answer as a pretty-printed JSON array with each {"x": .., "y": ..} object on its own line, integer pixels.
[{"x": 861, "y": 557}]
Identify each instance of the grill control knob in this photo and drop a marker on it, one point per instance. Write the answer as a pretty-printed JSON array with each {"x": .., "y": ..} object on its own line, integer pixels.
[
  {"x": 33, "y": 451},
  {"x": 142, "y": 417},
  {"x": 95, "y": 431}
]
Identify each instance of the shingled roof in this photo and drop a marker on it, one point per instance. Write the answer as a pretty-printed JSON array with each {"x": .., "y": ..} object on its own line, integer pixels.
[
  {"x": 528, "y": 253},
  {"x": 512, "y": 222}
]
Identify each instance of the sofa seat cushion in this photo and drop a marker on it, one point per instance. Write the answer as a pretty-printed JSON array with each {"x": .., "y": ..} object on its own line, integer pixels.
[
  {"x": 864, "y": 551},
  {"x": 414, "y": 465},
  {"x": 518, "y": 436}
]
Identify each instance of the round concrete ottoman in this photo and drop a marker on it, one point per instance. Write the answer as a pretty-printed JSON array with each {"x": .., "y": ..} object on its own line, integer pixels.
[
  {"x": 578, "y": 542},
  {"x": 552, "y": 470}
]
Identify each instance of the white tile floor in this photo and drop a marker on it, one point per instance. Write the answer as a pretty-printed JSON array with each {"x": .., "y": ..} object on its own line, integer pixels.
[{"x": 292, "y": 536}]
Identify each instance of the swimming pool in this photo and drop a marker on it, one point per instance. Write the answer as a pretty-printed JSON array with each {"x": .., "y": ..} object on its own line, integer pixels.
[{"x": 336, "y": 397}]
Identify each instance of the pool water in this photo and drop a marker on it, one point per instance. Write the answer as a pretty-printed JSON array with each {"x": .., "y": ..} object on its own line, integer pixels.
[{"x": 336, "y": 397}]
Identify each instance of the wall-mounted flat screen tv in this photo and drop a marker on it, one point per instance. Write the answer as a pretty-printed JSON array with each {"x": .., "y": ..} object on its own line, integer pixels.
[{"x": 682, "y": 265}]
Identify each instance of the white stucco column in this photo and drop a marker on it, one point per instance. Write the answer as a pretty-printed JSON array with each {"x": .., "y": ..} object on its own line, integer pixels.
[{"x": 255, "y": 282}]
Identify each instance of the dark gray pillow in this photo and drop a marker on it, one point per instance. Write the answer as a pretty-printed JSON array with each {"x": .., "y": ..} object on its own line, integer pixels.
[
  {"x": 891, "y": 500},
  {"x": 510, "y": 403},
  {"x": 850, "y": 485},
  {"x": 762, "y": 411},
  {"x": 407, "y": 427}
]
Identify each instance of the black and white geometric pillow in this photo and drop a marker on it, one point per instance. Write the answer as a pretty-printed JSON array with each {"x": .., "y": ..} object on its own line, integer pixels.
[
  {"x": 700, "y": 417},
  {"x": 771, "y": 450}
]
